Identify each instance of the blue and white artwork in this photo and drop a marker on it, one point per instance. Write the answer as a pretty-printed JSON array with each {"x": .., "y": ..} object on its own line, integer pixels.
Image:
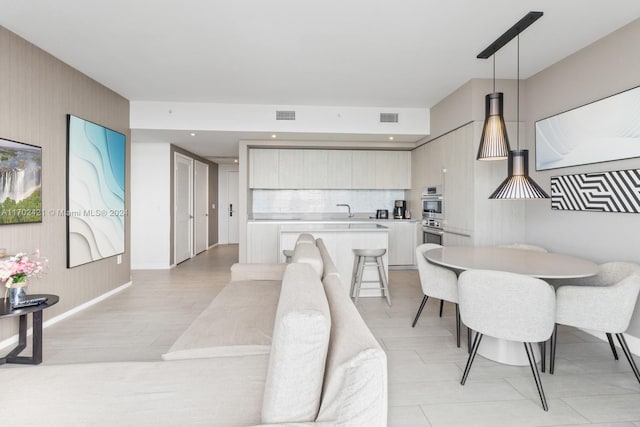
[
  {"x": 608, "y": 129},
  {"x": 20, "y": 183},
  {"x": 96, "y": 192}
]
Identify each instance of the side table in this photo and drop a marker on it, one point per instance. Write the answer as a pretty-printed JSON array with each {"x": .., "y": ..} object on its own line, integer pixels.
[{"x": 7, "y": 311}]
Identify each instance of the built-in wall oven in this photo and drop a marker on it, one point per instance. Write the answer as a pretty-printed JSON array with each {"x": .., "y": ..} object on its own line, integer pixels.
[
  {"x": 432, "y": 202},
  {"x": 432, "y": 231}
]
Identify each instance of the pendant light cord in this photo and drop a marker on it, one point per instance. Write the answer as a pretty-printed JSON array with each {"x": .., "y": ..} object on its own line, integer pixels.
[
  {"x": 494, "y": 73},
  {"x": 518, "y": 96}
]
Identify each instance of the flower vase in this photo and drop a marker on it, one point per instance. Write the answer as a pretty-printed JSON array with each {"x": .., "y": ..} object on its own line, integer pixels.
[{"x": 17, "y": 294}]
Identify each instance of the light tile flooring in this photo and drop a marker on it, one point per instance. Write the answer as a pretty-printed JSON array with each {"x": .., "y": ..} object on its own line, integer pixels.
[{"x": 589, "y": 387}]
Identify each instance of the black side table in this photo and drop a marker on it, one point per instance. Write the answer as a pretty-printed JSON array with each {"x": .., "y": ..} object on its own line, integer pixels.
[{"x": 7, "y": 311}]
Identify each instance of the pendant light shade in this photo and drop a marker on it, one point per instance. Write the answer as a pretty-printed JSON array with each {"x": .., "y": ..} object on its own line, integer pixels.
[
  {"x": 518, "y": 184},
  {"x": 494, "y": 143}
]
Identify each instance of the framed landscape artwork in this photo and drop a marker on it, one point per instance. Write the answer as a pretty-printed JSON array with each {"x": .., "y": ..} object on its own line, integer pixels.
[
  {"x": 20, "y": 182},
  {"x": 605, "y": 130},
  {"x": 95, "y": 192}
]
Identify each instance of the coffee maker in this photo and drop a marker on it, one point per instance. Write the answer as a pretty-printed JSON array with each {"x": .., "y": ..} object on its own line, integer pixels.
[{"x": 399, "y": 209}]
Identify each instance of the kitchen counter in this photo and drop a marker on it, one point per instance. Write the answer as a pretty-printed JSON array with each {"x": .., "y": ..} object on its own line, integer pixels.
[
  {"x": 332, "y": 226},
  {"x": 321, "y": 218}
]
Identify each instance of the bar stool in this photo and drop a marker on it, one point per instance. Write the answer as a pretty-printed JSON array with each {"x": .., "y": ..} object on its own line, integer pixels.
[{"x": 363, "y": 258}]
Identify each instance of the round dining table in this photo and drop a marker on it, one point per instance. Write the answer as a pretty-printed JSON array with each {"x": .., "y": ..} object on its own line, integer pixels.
[{"x": 542, "y": 265}]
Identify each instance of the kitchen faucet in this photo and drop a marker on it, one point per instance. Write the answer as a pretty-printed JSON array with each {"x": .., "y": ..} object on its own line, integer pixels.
[{"x": 348, "y": 207}]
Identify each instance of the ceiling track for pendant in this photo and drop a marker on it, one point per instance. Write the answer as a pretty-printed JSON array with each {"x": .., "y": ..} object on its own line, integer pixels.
[{"x": 510, "y": 34}]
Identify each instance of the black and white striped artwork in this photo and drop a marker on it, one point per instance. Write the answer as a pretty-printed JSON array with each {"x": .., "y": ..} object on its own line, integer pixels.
[{"x": 614, "y": 191}]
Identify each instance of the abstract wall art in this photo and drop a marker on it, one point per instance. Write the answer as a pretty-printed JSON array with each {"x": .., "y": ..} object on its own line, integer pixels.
[
  {"x": 20, "y": 182},
  {"x": 95, "y": 192},
  {"x": 605, "y": 130},
  {"x": 616, "y": 191}
]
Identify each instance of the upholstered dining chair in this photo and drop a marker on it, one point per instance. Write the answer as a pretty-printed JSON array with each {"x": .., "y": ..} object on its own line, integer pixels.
[
  {"x": 524, "y": 246},
  {"x": 437, "y": 282},
  {"x": 507, "y": 306},
  {"x": 605, "y": 309},
  {"x": 609, "y": 274}
]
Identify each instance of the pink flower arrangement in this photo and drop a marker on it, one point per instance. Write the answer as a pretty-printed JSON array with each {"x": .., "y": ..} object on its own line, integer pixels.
[{"x": 19, "y": 267}]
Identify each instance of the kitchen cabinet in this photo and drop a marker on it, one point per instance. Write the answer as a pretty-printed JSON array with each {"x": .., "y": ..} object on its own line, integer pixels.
[
  {"x": 329, "y": 169},
  {"x": 339, "y": 169},
  {"x": 402, "y": 242},
  {"x": 262, "y": 242},
  {"x": 393, "y": 169},
  {"x": 458, "y": 161},
  {"x": 263, "y": 168}
]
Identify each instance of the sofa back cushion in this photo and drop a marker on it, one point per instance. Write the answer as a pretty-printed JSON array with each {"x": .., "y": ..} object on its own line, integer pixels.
[
  {"x": 355, "y": 383},
  {"x": 328, "y": 266},
  {"x": 298, "y": 349},
  {"x": 305, "y": 238},
  {"x": 308, "y": 254}
]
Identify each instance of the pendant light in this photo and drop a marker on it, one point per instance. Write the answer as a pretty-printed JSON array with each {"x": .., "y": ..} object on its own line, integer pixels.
[
  {"x": 494, "y": 143},
  {"x": 518, "y": 184}
]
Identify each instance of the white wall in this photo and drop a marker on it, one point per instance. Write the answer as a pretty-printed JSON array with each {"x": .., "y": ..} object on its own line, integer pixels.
[
  {"x": 150, "y": 205},
  {"x": 223, "y": 202}
]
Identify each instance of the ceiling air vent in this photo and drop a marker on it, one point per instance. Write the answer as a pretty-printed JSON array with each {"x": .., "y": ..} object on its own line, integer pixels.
[
  {"x": 285, "y": 115},
  {"x": 388, "y": 117}
]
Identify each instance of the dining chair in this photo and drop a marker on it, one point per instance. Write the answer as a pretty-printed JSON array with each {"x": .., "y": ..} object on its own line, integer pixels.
[
  {"x": 437, "y": 282},
  {"x": 606, "y": 309},
  {"x": 524, "y": 246},
  {"x": 507, "y": 306},
  {"x": 608, "y": 274}
]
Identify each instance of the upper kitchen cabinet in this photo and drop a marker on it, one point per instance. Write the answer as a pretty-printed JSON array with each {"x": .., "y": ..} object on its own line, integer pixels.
[
  {"x": 329, "y": 169},
  {"x": 363, "y": 169},
  {"x": 263, "y": 168},
  {"x": 339, "y": 169},
  {"x": 393, "y": 169}
]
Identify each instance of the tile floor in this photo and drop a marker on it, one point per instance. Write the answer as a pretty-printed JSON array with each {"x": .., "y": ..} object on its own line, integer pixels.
[{"x": 589, "y": 387}]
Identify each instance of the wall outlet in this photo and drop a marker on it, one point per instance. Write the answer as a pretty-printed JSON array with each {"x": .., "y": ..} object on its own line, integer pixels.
[{"x": 119, "y": 259}]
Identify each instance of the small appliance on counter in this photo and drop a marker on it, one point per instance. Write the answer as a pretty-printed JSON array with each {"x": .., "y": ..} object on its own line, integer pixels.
[
  {"x": 382, "y": 214},
  {"x": 399, "y": 209}
]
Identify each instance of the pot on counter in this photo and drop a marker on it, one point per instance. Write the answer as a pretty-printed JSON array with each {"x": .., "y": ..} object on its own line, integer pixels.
[{"x": 382, "y": 214}]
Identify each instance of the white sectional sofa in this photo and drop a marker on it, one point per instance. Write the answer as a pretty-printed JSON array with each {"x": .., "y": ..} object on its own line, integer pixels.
[{"x": 280, "y": 345}]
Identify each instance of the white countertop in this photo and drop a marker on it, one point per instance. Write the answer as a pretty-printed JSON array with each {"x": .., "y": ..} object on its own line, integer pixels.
[
  {"x": 333, "y": 226},
  {"x": 307, "y": 217}
]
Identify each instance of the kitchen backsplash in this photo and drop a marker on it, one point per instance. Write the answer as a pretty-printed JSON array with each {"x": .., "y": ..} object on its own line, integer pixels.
[{"x": 324, "y": 201}]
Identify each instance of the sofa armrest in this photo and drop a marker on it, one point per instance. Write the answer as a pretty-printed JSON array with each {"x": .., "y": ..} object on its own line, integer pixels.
[
  {"x": 257, "y": 271},
  {"x": 307, "y": 424}
]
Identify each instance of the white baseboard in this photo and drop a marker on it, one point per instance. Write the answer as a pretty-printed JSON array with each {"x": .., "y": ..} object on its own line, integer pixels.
[
  {"x": 213, "y": 246},
  {"x": 14, "y": 339}
]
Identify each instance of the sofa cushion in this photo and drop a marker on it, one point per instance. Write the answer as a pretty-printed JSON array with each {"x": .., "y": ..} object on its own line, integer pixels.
[
  {"x": 305, "y": 238},
  {"x": 299, "y": 348},
  {"x": 355, "y": 385},
  {"x": 238, "y": 321},
  {"x": 328, "y": 266},
  {"x": 308, "y": 254},
  {"x": 203, "y": 392}
]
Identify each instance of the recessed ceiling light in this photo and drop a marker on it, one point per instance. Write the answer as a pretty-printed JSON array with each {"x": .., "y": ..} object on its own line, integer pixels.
[
  {"x": 274, "y": 136},
  {"x": 235, "y": 160},
  {"x": 390, "y": 138},
  {"x": 193, "y": 134}
]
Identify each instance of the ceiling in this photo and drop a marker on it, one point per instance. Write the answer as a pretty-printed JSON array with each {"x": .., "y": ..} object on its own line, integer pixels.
[{"x": 362, "y": 53}]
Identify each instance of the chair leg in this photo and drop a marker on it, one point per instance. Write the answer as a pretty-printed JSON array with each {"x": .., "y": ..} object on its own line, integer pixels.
[
  {"x": 552, "y": 353},
  {"x": 612, "y": 345},
  {"x": 543, "y": 355},
  {"x": 441, "y": 305},
  {"x": 472, "y": 355},
  {"x": 536, "y": 374},
  {"x": 457, "y": 325},
  {"x": 625, "y": 349},
  {"x": 468, "y": 340},
  {"x": 424, "y": 301}
]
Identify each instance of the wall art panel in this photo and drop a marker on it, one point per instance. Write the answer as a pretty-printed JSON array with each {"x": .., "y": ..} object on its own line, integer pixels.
[
  {"x": 95, "y": 192},
  {"x": 616, "y": 191},
  {"x": 20, "y": 182},
  {"x": 605, "y": 130}
]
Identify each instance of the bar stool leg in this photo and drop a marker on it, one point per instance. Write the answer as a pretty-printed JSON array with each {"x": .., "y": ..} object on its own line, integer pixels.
[
  {"x": 384, "y": 285},
  {"x": 361, "y": 263},
  {"x": 354, "y": 272}
]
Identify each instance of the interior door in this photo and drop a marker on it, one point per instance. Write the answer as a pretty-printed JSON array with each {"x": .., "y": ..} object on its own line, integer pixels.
[
  {"x": 183, "y": 208},
  {"x": 201, "y": 211},
  {"x": 232, "y": 209}
]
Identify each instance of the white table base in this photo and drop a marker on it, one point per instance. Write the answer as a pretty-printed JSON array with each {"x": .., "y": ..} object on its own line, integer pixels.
[{"x": 504, "y": 351}]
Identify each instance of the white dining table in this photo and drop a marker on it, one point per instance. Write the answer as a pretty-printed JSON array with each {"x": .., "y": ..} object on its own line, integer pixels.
[{"x": 542, "y": 265}]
